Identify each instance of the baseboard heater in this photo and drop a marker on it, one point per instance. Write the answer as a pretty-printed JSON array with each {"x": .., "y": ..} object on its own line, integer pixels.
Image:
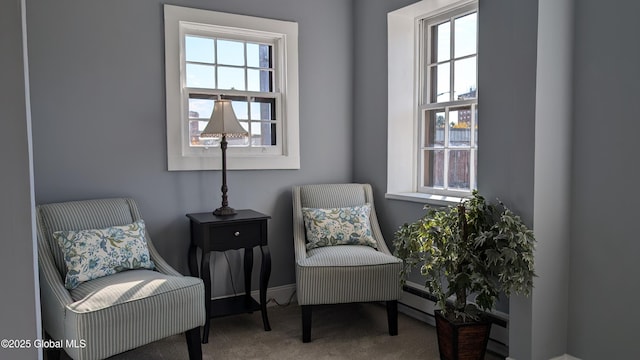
[
  {"x": 423, "y": 310},
  {"x": 425, "y": 295}
]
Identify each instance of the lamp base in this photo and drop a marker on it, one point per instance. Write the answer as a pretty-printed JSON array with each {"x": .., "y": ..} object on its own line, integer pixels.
[{"x": 224, "y": 211}]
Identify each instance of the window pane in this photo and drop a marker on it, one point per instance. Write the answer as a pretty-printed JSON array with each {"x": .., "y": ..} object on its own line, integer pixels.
[
  {"x": 263, "y": 109},
  {"x": 200, "y": 108},
  {"x": 259, "y": 80},
  {"x": 231, "y": 52},
  {"x": 440, "y": 88},
  {"x": 434, "y": 128},
  {"x": 465, "y": 35},
  {"x": 195, "y": 128},
  {"x": 258, "y": 55},
  {"x": 441, "y": 42},
  {"x": 239, "y": 140},
  {"x": 263, "y": 134},
  {"x": 199, "y": 49},
  {"x": 460, "y": 131},
  {"x": 465, "y": 79},
  {"x": 241, "y": 108},
  {"x": 459, "y": 161},
  {"x": 433, "y": 168},
  {"x": 239, "y": 105},
  {"x": 230, "y": 78},
  {"x": 202, "y": 76}
]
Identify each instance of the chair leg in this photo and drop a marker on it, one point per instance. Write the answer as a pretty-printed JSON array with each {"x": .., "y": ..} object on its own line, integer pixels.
[
  {"x": 392, "y": 317},
  {"x": 52, "y": 353},
  {"x": 306, "y": 323},
  {"x": 193, "y": 343}
]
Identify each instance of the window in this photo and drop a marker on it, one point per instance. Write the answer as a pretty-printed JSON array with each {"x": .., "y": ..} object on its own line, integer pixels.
[
  {"x": 448, "y": 112},
  {"x": 236, "y": 70},
  {"x": 432, "y": 101},
  {"x": 251, "y": 61}
]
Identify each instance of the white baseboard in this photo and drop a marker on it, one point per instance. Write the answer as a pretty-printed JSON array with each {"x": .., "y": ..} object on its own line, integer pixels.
[
  {"x": 422, "y": 309},
  {"x": 562, "y": 357},
  {"x": 282, "y": 295},
  {"x": 565, "y": 357},
  {"x": 275, "y": 295}
]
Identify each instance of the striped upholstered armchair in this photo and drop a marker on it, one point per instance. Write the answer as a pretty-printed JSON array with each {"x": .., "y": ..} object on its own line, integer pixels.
[
  {"x": 114, "y": 313},
  {"x": 334, "y": 268}
]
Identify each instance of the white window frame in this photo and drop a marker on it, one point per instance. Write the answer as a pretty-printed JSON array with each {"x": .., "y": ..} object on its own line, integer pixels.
[
  {"x": 283, "y": 35},
  {"x": 404, "y": 100},
  {"x": 428, "y": 105}
]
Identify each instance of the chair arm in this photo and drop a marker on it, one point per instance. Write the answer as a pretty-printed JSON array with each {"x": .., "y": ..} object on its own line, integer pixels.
[
  {"x": 373, "y": 220},
  {"x": 54, "y": 297},
  {"x": 299, "y": 238},
  {"x": 300, "y": 247}
]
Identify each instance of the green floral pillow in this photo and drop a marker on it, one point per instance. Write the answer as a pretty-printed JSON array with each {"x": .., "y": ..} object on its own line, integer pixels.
[
  {"x": 90, "y": 254},
  {"x": 338, "y": 226}
]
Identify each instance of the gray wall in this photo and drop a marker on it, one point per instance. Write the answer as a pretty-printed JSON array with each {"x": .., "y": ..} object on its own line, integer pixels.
[
  {"x": 507, "y": 92},
  {"x": 506, "y": 139},
  {"x": 604, "y": 287},
  {"x": 97, "y": 81},
  {"x": 370, "y": 111},
  {"x": 97, "y": 91},
  {"x": 19, "y": 279}
]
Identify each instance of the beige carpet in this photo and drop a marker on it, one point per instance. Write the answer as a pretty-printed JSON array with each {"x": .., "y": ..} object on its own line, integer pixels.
[{"x": 348, "y": 331}]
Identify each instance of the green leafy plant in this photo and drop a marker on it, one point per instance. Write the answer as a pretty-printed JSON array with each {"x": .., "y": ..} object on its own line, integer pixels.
[{"x": 475, "y": 248}]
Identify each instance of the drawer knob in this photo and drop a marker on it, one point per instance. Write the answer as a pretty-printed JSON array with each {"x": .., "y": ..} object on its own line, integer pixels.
[{"x": 237, "y": 233}]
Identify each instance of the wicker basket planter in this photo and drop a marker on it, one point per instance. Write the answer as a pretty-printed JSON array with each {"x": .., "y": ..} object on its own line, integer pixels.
[{"x": 458, "y": 341}]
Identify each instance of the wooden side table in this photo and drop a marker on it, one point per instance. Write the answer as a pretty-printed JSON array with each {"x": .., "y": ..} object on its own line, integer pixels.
[{"x": 244, "y": 230}]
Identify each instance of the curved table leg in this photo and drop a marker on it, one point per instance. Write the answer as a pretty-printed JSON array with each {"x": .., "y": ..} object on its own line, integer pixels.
[
  {"x": 265, "y": 273},
  {"x": 248, "y": 268},
  {"x": 206, "y": 278},
  {"x": 193, "y": 260}
]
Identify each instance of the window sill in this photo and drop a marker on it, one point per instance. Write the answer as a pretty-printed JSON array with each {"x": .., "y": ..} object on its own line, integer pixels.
[{"x": 427, "y": 199}]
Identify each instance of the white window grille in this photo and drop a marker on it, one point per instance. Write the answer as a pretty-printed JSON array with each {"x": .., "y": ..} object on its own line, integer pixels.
[{"x": 448, "y": 110}]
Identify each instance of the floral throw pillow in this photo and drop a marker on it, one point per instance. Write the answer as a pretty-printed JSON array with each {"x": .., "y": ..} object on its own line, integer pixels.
[
  {"x": 90, "y": 254},
  {"x": 338, "y": 226}
]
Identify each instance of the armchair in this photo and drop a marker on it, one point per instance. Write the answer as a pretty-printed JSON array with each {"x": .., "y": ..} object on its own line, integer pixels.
[
  {"x": 115, "y": 313},
  {"x": 342, "y": 273}
]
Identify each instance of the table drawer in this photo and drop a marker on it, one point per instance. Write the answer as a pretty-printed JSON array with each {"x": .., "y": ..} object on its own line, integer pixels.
[{"x": 235, "y": 236}]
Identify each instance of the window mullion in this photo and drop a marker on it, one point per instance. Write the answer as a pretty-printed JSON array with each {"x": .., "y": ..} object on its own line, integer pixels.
[
  {"x": 473, "y": 126},
  {"x": 250, "y": 117},
  {"x": 451, "y": 58},
  {"x": 425, "y": 63},
  {"x": 473, "y": 151},
  {"x": 456, "y": 103},
  {"x": 445, "y": 167},
  {"x": 421, "y": 147},
  {"x": 245, "y": 68},
  {"x": 458, "y": 58},
  {"x": 215, "y": 61}
]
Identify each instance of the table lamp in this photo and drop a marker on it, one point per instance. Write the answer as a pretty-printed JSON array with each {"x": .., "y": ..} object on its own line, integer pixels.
[{"x": 223, "y": 123}]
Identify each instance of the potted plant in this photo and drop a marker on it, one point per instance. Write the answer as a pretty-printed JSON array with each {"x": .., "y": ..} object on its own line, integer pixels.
[{"x": 470, "y": 253}]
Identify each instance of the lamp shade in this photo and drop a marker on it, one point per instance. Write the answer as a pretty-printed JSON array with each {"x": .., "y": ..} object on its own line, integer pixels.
[{"x": 223, "y": 121}]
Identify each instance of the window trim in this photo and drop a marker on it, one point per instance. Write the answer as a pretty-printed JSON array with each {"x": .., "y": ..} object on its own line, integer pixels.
[
  {"x": 447, "y": 148},
  {"x": 286, "y": 33},
  {"x": 403, "y": 39}
]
